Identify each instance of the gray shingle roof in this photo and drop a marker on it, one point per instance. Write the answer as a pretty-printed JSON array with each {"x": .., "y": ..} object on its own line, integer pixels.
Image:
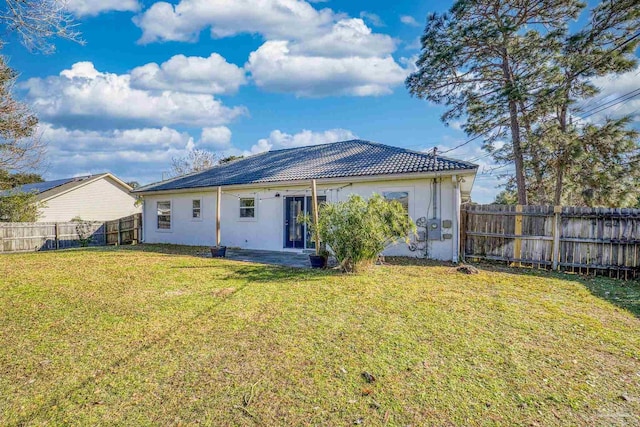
[
  {"x": 48, "y": 189},
  {"x": 335, "y": 160}
]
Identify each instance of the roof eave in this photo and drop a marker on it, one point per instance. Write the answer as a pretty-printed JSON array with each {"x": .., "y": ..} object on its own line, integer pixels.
[{"x": 298, "y": 182}]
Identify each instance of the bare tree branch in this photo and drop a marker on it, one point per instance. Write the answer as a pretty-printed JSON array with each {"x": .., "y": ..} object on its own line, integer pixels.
[{"x": 36, "y": 22}]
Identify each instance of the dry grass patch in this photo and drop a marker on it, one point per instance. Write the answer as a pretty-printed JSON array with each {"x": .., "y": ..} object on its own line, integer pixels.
[{"x": 142, "y": 337}]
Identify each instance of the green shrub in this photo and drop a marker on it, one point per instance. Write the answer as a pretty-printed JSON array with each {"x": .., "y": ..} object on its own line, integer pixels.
[
  {"x": 19, "y": 207},
  {"x": 358, "y": 230}
]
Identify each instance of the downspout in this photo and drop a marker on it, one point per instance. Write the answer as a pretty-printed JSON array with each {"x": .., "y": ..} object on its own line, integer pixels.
[
  {"x": 144, "y": 210},
  {"x": 435, "y": 198},
  {"x": 456, "y": 222}
]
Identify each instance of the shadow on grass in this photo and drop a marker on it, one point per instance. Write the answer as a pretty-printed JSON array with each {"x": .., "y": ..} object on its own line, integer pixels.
[
  {"x": 622, "y": 293},
  {"x": 92, "y": 379}
]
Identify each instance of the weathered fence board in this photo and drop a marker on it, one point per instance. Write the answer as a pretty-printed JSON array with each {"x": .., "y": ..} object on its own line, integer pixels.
[
  {"x": 42, "y": 236},
  {"x": 577, "y": 239}
]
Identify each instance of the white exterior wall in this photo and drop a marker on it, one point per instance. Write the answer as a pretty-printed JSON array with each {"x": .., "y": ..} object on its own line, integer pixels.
[
  {"x": 100, "y": 200},
  {"x": 266, "y": 230},
  {"x": 185, "y": 230}
]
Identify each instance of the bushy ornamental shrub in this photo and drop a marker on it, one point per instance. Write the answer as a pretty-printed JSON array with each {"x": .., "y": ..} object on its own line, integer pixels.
[
  {"x": 358, "y": 230},
  {"x": 19, "y": 207}
]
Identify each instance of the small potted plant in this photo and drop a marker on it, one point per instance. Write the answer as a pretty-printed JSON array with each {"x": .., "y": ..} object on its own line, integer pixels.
[
  {"x": 319, "y": 259},
  {"x": 218, "y": 251}
]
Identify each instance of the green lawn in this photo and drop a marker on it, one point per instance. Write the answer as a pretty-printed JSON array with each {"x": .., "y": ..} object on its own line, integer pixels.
[{"x": 142, "y": 337}]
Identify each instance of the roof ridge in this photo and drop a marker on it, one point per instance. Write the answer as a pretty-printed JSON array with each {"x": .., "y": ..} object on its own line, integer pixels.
[{"x": 352, "y": 157}]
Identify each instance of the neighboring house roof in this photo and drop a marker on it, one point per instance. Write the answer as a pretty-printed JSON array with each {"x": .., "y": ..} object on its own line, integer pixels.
[
  {"x": 49, "y": 189},
  {"x": 343, "y": 159}
]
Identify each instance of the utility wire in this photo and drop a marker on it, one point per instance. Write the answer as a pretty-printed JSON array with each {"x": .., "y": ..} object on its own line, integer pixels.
[{"x": 577, "y": 73}]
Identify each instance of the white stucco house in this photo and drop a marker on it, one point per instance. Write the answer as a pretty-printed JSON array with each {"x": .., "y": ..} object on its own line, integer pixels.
[
  {"x": 99, "y": 197},
  {"x": 261, "y": 196}
]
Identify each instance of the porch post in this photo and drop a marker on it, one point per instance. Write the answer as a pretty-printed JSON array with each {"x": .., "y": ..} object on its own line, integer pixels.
[
  {"x": 314, "y": 202},
  {"x": 218, "y": 201}
]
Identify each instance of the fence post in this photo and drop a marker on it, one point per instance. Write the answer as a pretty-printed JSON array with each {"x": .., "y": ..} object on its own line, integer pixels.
[
  {"x": 57, "y": 235},
  {"x": 119, "y": 238},
  {"x": 135, "y": 229},
  {"x": 555, "y": 248},
  {"x": 517, "y": 242}
]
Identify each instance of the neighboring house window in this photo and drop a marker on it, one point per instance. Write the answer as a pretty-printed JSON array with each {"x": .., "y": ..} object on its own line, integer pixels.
[
  {"x": 247, "y": 208},
  {"x": 401, "y": 197},
  {"x": 164, "y": 215},
  {"x": 196, "y": 209}
]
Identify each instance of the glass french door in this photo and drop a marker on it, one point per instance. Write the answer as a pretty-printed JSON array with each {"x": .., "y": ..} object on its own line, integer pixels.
[
  {"x": 298, "y": 235},
  {"x": 293, "y": 230}
]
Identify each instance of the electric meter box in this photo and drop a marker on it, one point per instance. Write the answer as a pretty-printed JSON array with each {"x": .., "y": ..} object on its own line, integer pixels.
[{"x": 434, "y": 229}]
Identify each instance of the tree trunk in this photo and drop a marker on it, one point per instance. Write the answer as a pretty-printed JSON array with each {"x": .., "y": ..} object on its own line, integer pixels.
[
  {"x": 562, "y": 155},
  {"x": 517, "y": 153},
  {"x": 509, "y": 87},
  {"x": 536, "y": 161}
]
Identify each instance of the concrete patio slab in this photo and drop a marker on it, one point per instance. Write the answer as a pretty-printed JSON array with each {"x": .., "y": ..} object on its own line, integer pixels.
[{"x": 286, "y": 259}]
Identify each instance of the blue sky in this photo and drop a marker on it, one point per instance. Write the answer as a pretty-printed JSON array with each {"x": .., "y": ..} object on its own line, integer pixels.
[{"x": 235, "y": 77}]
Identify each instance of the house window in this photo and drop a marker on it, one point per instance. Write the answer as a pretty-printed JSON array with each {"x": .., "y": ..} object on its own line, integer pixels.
[
  {"x": 247, "y": 207},
  {"x": 196, "y": 209},
  {"x": 164, "y": 215},
  {"x": 401, "y": 197}
]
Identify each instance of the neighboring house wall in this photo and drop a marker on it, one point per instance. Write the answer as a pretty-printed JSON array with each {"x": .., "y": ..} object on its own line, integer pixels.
[
  {"x": 99, "y": 200},
  {"x": 266, "y": 230}
]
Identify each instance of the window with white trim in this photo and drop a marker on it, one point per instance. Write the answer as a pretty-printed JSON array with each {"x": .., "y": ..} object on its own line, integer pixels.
[
  {"x": 196, "y": 209},
  {"x": 401, "y": 197},
  {"x": 164, "y": 215},
  {"x": 247, "y": 207}
]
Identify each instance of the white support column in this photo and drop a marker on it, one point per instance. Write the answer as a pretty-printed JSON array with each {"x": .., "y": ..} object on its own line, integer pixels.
[{"x": 218, "y": 202}]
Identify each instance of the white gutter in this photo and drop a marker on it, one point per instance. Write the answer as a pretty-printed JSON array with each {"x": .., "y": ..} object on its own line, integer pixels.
[{"x": 304, "y": 182}]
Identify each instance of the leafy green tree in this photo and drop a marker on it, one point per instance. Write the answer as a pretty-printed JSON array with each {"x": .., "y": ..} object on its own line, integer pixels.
[
  {"x": 506, "y": 197},
  {"x": 358, "y": 230},
  {"x": 514, "y": 69},
  {"x": 19, "y": 207},
  {"x": 605, "y": 45},
  {"x": 9, "y": 180},
  {"x": 479, "y": 60}
]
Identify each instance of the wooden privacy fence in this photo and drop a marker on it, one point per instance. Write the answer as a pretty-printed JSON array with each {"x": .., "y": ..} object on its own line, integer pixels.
[
  {"x": 124, "y": 231},
  {"x": 584, "y": 240},
  {"x": 41, "y": 236}
]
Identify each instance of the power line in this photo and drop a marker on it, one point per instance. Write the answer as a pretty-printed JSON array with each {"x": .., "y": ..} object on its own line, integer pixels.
[
  {"x": 607, "y": 102},
  {"x": 627, "y": 97},
  {"x": 577, "y": 73}
]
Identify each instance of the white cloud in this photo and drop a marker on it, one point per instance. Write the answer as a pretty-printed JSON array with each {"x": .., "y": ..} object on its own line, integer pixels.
[
  {"x": 141, "y": 154},
  {"x": 82, "y": 8},
  {"x": 347, "y": 38},
  {"x": 194, "y": 74},
  {"x": 307, "y": 52},
  {"x": 372, "y": 19},
  {"x": 271, "y": 18},
  {"x": 275, "y": 68},
  {"x": 84, "y": 97},
  {"x": 279, "y": 139},
  {"x": 216, "y": 137},
  {"x": 132, "y": 154},
  {"x": 409, "y": 20},
  {"x": 613, "y": 87}
]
